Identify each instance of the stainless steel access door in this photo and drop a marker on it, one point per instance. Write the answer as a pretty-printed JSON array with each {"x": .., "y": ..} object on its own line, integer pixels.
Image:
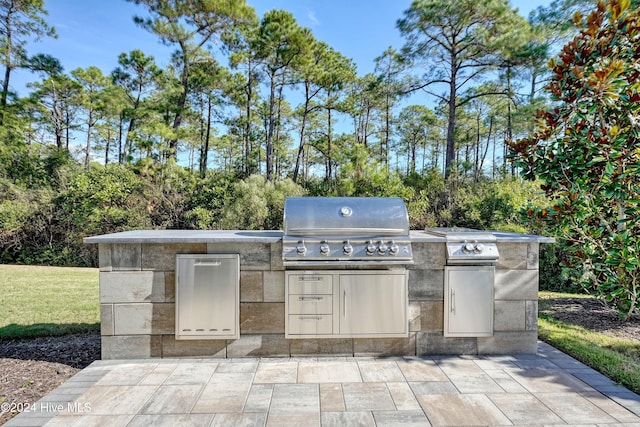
[
  {"x": 373, "y": 304},
  {"x": 468, "y": 302},
  {"x": 207, "y": 291}
]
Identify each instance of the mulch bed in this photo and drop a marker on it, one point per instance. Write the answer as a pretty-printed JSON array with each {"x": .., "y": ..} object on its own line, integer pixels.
[
  {"x": 31, "y": 368},
  {"x": 592, "y": 314}
]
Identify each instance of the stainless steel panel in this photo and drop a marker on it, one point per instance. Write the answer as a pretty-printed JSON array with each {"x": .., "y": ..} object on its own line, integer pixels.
[
  {"x": 310, "y": 283},
  {"x": 468, "y": 302},
  {"x": 310, "y": 325},
  {"x": 310, "y": 304},
  {"x": 364, "y": 304},
  {"x": 354, "y": 216},
  {"x": 336, "y": 252},
  {"x": 347, "y": 263},
  {"x": 373, "y": 304},
  {"x": 207, "y": 296}
]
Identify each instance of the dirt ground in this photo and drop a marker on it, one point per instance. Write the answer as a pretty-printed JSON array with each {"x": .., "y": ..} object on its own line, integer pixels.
[
  {"x": 31, "y": 368},
  {"x": 592, "y": 314}
]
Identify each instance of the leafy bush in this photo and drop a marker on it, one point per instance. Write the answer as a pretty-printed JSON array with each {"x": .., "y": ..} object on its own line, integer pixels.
[
  {"x": 257, "y": 204},
  {"x": 497, "y": 204},
  {"x": 587, "y": 153},
  {"x": 104, "y": 200},
  {"x": 554, "y": 274}
]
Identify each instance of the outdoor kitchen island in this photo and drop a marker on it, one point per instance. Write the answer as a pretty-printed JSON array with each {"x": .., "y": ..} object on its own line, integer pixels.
[{"x": 138, "y": 298}]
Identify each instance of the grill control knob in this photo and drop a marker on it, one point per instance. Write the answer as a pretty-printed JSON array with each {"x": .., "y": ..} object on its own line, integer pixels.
[
  {"x": 301, "y": 249},
  {"x": 394, "y": 249},
  {"x": 382, "y": 248},
  {"x": 479, "y": 248},
  {"x": 371, "y": 248},
  {"x": 468, "y": 248},
  {"x": 324, "y": 249},
  {"x": 348, "y": 248}
]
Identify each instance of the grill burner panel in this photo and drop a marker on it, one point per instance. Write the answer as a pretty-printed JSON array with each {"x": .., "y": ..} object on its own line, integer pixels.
[
  {"x": 352, "y": 251},
  {"x": 346, "y": 231},
  {"x": 467, "y": 246}
]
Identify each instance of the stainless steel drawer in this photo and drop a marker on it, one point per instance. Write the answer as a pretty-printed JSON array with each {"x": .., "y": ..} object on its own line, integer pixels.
[
  {"x": 301, "y": 283},
  {"x": 310, "y": 304},
  {"x": 319, "y": 324}
]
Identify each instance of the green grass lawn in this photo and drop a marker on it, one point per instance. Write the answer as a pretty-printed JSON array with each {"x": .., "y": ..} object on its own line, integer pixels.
[
  {"x": 617, "y": 358},
  {"x": 44, "y": 301}
]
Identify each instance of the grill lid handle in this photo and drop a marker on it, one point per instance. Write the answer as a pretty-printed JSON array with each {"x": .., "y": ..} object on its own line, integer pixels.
[{"x": 358, "y": 230}]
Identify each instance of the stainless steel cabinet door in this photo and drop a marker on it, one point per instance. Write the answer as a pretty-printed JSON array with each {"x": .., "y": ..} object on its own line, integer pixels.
[
  {"x": 207, "y": 289},
  {"x": 468, "y": 302},
  {"x": 373, "y": 305}
]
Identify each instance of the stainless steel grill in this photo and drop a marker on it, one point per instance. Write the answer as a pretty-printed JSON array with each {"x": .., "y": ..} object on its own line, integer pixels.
[
  {"x": 467, "y": 246},
  {"x": 345, "y": 231}
]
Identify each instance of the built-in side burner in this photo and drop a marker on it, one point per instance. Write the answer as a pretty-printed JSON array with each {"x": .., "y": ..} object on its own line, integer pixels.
[{"x": 468, "y": 246}]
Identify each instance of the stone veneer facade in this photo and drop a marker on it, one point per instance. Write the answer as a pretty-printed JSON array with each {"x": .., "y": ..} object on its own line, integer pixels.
[{"x": 137, "y": 304}]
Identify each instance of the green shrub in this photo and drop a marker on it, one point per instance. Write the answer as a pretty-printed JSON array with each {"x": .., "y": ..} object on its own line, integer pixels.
[{"x": 257, "y": 204}]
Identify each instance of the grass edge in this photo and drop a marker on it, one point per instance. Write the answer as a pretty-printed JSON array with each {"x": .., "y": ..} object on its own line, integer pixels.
[{"x": 579, "y": 344}]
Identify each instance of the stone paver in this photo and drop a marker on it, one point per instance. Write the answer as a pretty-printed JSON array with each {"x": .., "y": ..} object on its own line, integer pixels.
[{"x": 547, "y": 389}]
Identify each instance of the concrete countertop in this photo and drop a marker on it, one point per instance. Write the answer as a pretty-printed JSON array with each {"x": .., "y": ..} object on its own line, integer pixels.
[
  {"x": 266, "y": 236},
  {"x": 191, "y": 236},
  {"x": 420, "y": 236}
]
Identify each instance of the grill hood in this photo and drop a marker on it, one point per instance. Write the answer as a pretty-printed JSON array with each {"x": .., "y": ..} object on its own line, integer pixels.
[
  {"x": 346, "y": 231},
  {"x": 356, "y": 216}
]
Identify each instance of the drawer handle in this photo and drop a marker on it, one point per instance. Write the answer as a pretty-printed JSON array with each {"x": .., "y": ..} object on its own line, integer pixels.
[
  {"x": 453, "y": 301},
  {"x": 207, "y": 263},
  {"x": 310, "y": 298},
  {"x": 310, "y": 318}
]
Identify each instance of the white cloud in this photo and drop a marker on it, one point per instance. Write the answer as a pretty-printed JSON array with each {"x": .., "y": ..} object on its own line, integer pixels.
[{"x": 311, "y": 15}]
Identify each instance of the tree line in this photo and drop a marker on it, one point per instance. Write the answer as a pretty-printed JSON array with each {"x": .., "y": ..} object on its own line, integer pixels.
[{"x": 222, "y": 103}]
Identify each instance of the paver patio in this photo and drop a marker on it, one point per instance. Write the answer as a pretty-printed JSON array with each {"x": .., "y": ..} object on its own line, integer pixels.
[{"x": 547, "y": 389}]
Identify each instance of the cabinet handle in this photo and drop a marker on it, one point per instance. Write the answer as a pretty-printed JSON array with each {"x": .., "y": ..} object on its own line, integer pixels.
[
  {"x": 309, "y": 318},
  {"x": 344, "y": 303},
  {"x": 453, "y": 301},
  {"x": 310, "y": 298}
]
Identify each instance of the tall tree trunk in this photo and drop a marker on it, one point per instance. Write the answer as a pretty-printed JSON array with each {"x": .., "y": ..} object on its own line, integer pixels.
[
  {"x": 296, "y": 170},
  {"x": 387, "y": 126},
  {"x": 510, "y": 117},
  {"x": 121, "y": 155},
  {"x": 476, "y": 154},
  {"x": 58, "y": 119},
  {"x": 67, "y": 128},
  {"x": 7, "y": 71},
  {"x": 413, "y": 157},
  {"x": 450, "y": 153},
  {"x": 204, "y": 154},
  {"x": 278, "y": 126},
  {"x": 270, "y": 129},
  {"x": 247, "y": 125},
  {"x": 88, "y": 149},
  {"x": 329, "y": 168},
  {"x": 486, "y": 148},
  {"x": 5, "y": 93},
  {"x": 182, "y": 102},
  {"x": 107, "y": 146}
]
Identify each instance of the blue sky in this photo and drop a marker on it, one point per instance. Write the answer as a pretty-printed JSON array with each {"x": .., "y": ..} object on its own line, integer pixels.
[{"x": 95, "y": 32}]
